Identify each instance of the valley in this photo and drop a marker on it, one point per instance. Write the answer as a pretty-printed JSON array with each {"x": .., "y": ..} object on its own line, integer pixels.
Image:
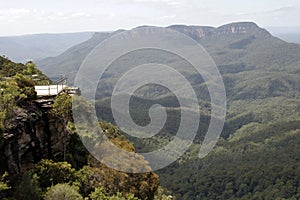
[{"x": 257, "y": 155}]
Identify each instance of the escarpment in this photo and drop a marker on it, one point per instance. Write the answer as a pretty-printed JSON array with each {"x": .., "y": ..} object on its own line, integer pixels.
[{"x": 31, "y": 134}]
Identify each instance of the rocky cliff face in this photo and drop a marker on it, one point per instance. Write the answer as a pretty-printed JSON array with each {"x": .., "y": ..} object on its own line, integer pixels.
[
  {"x": 198, "y": 32},
  {"x": 32, "y": 134}
]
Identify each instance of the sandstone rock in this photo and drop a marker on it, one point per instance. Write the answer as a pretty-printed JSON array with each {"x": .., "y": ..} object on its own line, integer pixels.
[{"x": 32, "y": 134}]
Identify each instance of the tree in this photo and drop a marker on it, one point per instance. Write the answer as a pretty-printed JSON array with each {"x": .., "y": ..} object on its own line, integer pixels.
[
  {"x": 3, "y": 184},
  {"x": 99, "y": 194},
  {"x": 26, "y": 86},
  {"x": 63, "y": 107},
  {"x": 29, "y": 188},
  {"x": 52, "y": 173},
  {"x": 31, "y": 69},
  {"x": 63, "y": 192}
]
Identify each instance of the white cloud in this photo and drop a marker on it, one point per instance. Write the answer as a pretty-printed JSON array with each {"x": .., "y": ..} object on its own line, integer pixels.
[
  {"x": 14, "y": 11},
  {"x": 169, "y": 16},
  {"x": 69, "y": 15},
  {"x": 23, "y": 15},
  {"x": 81, "y": 14}
]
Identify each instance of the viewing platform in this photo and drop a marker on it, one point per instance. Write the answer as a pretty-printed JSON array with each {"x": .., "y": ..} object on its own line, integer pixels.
[
  {"x": 49, "y": 90},
  {"x": 55, "y": 89},
  {"x": 47, "y": 93}
]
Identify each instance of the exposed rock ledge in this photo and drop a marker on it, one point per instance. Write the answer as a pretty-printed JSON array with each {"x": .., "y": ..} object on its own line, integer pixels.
[{"x": 32, "y": 134}]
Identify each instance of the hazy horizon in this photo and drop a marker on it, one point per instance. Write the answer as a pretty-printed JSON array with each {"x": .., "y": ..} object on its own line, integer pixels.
[
  {"x": 66, "y": 16},
  {"x": 271, "y": 29}
]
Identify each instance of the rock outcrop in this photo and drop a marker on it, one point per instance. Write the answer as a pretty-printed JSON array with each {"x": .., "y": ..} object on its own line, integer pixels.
[
  {"x": 199, "y": 32},
  {"x": 31, "y": 134}
]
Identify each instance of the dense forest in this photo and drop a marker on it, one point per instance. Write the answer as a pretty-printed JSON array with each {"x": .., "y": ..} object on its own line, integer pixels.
[{"x": 257, "y": 156}]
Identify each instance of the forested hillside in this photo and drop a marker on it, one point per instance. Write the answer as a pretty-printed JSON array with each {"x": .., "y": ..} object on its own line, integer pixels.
[
  {"x": 258, "y": 154},
  {"x": 42, "y": 156}
]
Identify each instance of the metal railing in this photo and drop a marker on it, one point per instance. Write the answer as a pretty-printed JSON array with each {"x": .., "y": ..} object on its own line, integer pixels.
[{"x": 51, "y": 90}]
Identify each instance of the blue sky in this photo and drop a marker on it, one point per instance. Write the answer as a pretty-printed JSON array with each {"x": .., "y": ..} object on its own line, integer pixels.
[{"x": 37, "y": 16}]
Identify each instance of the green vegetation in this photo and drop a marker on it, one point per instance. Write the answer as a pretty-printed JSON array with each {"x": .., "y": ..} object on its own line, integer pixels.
[
  {"x": 100, "y": 194},
  {"x": 51, "y": 173},
  {"x": 256, "y": 158},
  {"x": 63, "y": 107},
  {"x": 29, "y": 188},
  {"x": 263, "y": 164},
  {"x": 16, "y": 87},
  {"x": 62, "y": 192},
  {"x": 49, "y": 179},
  {"x": 3, "y": 183},
  {"x": 258, "y": 154},
  {"x": 9, "y": 69},
  {"x": 80, "y": 174}
]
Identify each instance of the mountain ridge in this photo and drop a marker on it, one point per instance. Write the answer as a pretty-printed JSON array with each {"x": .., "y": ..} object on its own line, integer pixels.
[
  {"x": 22, "y": 48},
  {"x": 227, "y": 29},
  {"x": 229, "y": 44},
  {"x": 257, "y": 156}
]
